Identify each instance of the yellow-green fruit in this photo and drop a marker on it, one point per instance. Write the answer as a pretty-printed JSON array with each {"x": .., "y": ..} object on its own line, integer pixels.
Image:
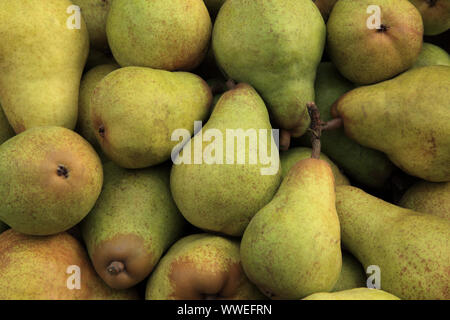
[
  {"x": 224, "y": 175},
  {"x": 133, "y": 222},
  {"x": 201, "y": 267},
  {"x": 51, "y": 179},
  {"x": 43, "y": 53},
  {"x": 291, "y": 248},
  {"x": 411, "y": 249},
  {"x": 275, "y": 46},
  {"x": 432, "y": 55},
  {"x": 353, "y": 294},
  {"x": 379, "y": 117},
  {"x": 292, "y": 156},
  {"x": 352, "y": 274},
  {"x": 161, "y": 34},
  {"x": 136, "y": 110},
  {"x": 46, "y": 268},
  {"x": 435, "y": 15},
  {"x": 6, "y": 131},
  {"x": 428, "y": 197}
]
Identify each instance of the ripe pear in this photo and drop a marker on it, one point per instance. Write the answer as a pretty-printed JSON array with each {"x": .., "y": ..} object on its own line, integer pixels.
[
  {"x": 6, "y": 131},
  {"x": 136, "y": 110},
  {"x": 411, "y": 249},
  {"x": 291, "y": 248},
  {"x": 428, "y": 197},
  {"x": 46, "y": 268},
  {"x": 325, "y": 7},
  {"x": 406, "y": 118},
  {"x": 95, "y": 13},
  {"x": 42, "y": 58},
  {"x": 160, "y": 34},
  {"x": 201, "y": 267},
  {"x": 275, "y": 46},
  {"x": 435, "y": 15},
  {"x": 133, "y": 222},
  {"x": 353, "y": 294},
  {"x": 366, "y": 53},
  {"x": 432, "y": 55},
  {"x": 50, "y": 180},
  {"x": 352, "y": 274},
  {"x": 238, "y": 170},
  {"x": 292, "y": 156}
]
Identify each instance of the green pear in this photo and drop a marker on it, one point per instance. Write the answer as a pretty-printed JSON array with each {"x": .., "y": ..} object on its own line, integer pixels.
[
  {"x": 411, "y": 249},
  {"x": 406, "y": 118},
  {"x": 201, "y": 267},
  {"x": 275, "y": 46},
  {"x": 51, "y": 179},
  {"x": 49, "y": 268},
  {"x": 233, "y": 179},
  {"x": 435, "y": 15},
  {"x": 163, "y": 34},
  {"x": 6, "y": 131},
  {"x": 365, "y": 52},
  {"x": 136, "y": 110},
  {"x": 353, "y": 294},
  {"x": 428, "y": 197},
  {"x": 42, "y": 57},
  {"x": 291, "y": 157},
  {"x": 3, "y": 227},
  {"x": 95, "y": 13},
  {"x": 432, "y": 55},
  {"x": 325, "y": 7},
  {"x": 352, "y": 274},
  {"x": 133, "y": 222},
  {"x": 367, "y": 166},
  {"x": 291, "y": 248}
]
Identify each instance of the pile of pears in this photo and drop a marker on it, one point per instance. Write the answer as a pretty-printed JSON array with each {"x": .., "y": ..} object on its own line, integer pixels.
[{"x": 224, "y": 149}]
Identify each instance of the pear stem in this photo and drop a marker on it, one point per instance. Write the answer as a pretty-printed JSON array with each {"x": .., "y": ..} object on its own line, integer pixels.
[
  {"x": 315, "y": 129},
  {"x": 285, "y": 140},
  {"x": 115, "y": 268},
  {"x": 332, "y": 124},
  {"x": 231, "y": 84}
]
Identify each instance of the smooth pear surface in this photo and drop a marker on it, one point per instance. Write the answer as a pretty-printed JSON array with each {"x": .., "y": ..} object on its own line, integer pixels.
[
  {"x": 432, "y": 55},
  {"x": 352, "y": 274},
  {"x": 435, "y": 15},
  {"x": 353, "y": 294}
]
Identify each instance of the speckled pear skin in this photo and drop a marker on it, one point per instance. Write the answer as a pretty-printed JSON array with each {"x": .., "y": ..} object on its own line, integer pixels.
[
  {"x": 432, "y": 55},
  {"x": 367, "y": 166},
  {"x": 224, "y": 197},
  {"x": 428, "y": 197},
  {"x": 366, "y": 56},
  {"x": 134, "y": 221},
  {"x": 435, "y": 15},
  {"x": 6, "y": 131},
  {"x": 42, "y": 62},
  {"x": 201, "y": 266},
  {"x": 291, "y": 248},
  {"x": 275, "y": 46},
  {"x": 292, "y": 156},
  {"x": 3, "y": 227},
  {"x": 135, "y": 110},
  {"x": 352, "y": 274},
  {"x": 51, "y": 179},
  {"x": 406, "y": 118},
  {"x": 35, "y": 268},
  {"x": 161, "y": 34},
  {"x": 412, "y": 249},
  {"x": 353, "y": 294}
]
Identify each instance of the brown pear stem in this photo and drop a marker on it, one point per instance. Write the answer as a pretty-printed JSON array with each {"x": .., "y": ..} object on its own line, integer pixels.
[
  {"x": 332, "y": 124},
  {"x": 115, "y": 268},
  {"x": 315, "y": 129},
  {"x": 285, "y": 140}
]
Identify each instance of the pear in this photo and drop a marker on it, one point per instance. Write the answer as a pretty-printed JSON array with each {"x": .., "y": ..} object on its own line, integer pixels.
[
  {"x": 406, "y": 118},
  {"x": 42, "y": 58},
  {"x": 411, "y": 249},
  {"x": 44, "y": 268},
  {"x": 162, "y": 34},
  {"x": 51, "y": 179},
  {"x": 201, "y": 267},
  {"x": 366, "y": 53},
  {"x": 133, "y": 222},
  {"x": 95, "y": 13},
  {"x": 352, "y": 274},
  {"x": 432, "y": 55},
  {"x": 367, "y": 166},
  {"x": 353, "y": 294},
  {"x": 428, "y": 197},
  {"x": 325, "y": 7},
  {"x": 291, "y": 157},
  {"x": 435, "y": 15},
  {"x": 136, "y": 110},
  {"x": 6, "y": 131},
  {"x": 275, "y": 46},
  {"x": 233, "y": 179}
]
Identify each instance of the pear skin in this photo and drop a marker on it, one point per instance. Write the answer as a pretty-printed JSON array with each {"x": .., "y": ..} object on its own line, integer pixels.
[
  {"x": 6, "y": 131},
  {"x": 352, "y": 274},
  {"x": 411, "y": 249},
  {"x": 42, "y": 62},
  {"x": 435, "y": 15},
  {"x": 353, "y": 294},
  {"x": 432, "y": 55}
]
